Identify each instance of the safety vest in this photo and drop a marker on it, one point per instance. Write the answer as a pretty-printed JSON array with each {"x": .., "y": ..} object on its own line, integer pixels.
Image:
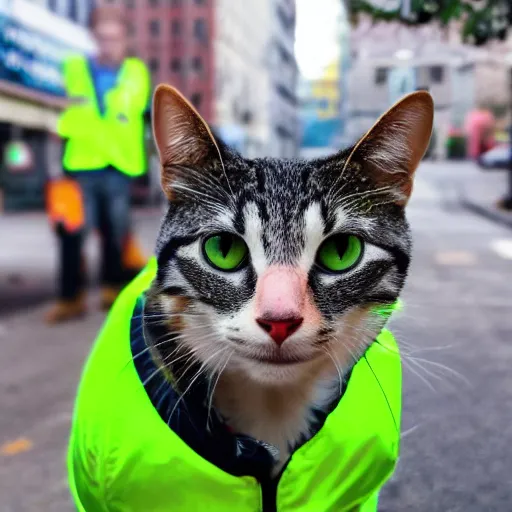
[
  {"x": 116, "y": 137},
  {"x": 123, "y": 457}
]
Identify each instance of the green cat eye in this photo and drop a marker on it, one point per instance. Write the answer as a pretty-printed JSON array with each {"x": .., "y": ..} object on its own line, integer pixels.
[
  {"x": 225, "y": 251},
  {"x": 340, "y": 253}
]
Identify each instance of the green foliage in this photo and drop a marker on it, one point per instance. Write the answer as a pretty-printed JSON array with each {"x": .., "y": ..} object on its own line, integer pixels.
[{"x": 483, "y": 20}]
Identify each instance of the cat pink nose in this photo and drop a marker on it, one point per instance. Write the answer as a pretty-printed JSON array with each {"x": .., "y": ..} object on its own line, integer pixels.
[{"x": 280, "y": 329}]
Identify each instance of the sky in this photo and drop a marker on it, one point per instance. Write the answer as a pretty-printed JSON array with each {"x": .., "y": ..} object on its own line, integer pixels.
[{"x": 317, "y": 35}]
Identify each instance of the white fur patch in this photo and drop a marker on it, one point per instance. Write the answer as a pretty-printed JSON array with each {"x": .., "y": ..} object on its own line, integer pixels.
[
  {"x": 253, "y": 238},
  {"x": 347, "y": 223},
  {"x": 313, "y": 235}
]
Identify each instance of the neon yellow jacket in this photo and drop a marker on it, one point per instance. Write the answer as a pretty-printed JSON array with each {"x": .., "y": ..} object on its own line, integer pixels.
[
  {"x": 115, "y": 138},
  {"x": 124, "y": 457}
]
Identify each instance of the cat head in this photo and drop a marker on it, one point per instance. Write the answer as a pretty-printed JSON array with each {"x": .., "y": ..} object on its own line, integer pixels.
[{"x": 275, "y": 268}]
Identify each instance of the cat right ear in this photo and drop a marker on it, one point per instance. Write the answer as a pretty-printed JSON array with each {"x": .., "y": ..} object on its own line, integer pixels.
[
  {"x": 182, "y": 137},
  {"x": 392, "y": 149}
]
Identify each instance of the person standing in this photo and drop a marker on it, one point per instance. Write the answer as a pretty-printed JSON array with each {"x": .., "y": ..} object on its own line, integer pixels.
[{"x": 103, "y": 133}]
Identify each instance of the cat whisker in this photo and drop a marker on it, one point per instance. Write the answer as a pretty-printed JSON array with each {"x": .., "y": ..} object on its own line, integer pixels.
[
  {"x": 421, "y": 377},
  {"x": 201, "y": 370},
  {"x": 359, "y": 196},
  {"x": 420, "y": 362},
  {"x": 409, "y": 431},
  {"x": 212, "y": 392},
  {"x": 184, "y": 188},
  {"x": 210, "y": 181},
  {"x": 336, "y": 364}
]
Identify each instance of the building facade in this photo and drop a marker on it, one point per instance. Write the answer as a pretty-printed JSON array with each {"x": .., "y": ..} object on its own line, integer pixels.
[
  {"x": 389, "y": 60},
  {"x": 284, "y": 105},
  {"x": 242, "y": 76},
  {"x": 35, "y": 36}
]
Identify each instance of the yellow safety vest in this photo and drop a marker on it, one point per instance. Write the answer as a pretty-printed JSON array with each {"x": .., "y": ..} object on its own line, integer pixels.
[{"x": 116, "y": 137}]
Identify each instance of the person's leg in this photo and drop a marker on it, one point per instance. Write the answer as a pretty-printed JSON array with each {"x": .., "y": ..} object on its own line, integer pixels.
[
  {"x": 71, "y": 281},
  {"x": 114, "y": 226}
]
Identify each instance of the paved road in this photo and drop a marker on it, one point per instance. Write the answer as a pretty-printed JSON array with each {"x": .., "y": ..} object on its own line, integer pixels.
[
  {"x": 28, "y": 258},
  {"x": 457, "y": 430}
]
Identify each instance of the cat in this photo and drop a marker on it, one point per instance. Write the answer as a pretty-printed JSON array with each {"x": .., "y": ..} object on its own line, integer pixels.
[{"x": 269, "y": 270}]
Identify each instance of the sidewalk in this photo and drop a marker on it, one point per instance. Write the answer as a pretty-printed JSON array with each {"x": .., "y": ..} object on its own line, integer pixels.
[
  {"x": 28, "y": 256},
  {"x": 39, "y": 371},
  {"x": 481, "y": 191}
]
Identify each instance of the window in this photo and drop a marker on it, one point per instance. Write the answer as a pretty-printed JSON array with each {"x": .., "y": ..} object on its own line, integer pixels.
[
  {"x": 154, "y": 27},
  {"x": 436, "y": 74},
  {"x": 200, "y": 2},
  {"x": 197, "y": 64},
  {"x": 130, "y": 4},
  {"x": 175, "y": 65},
  {"x": 200, "y": 30},
  {"x": 176, "y": 3},
  {"x": 196, "y": 99},
  {"x": 154, "y": 64},
  {"x": 381, "y": 76},
  {"x": 153, "y": 3},
  {"x": 176, "y": 27}
]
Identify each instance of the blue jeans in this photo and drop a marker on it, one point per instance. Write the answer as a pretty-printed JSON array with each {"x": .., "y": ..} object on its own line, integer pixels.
[{"x": 106, "y": 196}]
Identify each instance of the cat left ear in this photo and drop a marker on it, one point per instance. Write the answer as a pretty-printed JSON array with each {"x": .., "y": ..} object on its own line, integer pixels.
[
  {"x": 181, "y": 135},
  {"x": 393, "y": 148}
]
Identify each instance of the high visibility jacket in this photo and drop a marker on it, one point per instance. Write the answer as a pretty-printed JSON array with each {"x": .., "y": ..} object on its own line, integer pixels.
[
  {"x": 124, "y": 457},
  {"x": 116, "y": 137}
]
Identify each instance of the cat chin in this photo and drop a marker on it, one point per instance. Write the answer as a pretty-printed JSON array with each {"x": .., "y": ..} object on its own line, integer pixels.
[{"x": 276, "y": 374}]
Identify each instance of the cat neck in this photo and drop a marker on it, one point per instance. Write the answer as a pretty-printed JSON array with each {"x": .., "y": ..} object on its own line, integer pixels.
[{"x": 280, "y": 415}]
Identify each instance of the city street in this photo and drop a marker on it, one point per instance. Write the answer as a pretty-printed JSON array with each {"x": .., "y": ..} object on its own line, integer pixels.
[{"x": 455, "y": 332}]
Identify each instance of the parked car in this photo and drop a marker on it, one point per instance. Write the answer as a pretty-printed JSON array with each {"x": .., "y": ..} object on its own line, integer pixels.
[{"x": 496, "y": 158}]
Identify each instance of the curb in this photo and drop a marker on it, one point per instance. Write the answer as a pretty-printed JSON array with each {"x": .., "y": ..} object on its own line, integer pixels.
[{"x": 487, "y": 212}]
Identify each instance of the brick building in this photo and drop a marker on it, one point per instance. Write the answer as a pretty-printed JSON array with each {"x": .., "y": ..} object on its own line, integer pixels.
[{"x": 174, "y": 38}]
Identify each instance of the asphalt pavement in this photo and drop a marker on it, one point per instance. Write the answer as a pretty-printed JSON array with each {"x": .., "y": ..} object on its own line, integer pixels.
[{"x": 455, "y": 333}]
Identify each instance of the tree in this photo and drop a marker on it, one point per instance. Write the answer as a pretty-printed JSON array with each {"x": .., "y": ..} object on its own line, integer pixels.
[{"x": 482, "y": 20}]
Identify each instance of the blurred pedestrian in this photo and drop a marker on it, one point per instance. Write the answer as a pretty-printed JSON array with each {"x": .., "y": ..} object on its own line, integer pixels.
[{"x": 103, "y": 133}]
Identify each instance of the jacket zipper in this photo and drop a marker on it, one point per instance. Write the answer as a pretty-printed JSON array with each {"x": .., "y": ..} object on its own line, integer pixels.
[
  {"x": 269, "y": 490},
  {"x": 269, "y": 494}
]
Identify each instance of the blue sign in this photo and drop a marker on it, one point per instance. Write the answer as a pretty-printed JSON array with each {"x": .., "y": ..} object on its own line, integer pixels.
[
  {"x": 319, "y": 133},
  {"x": 29, "y": 58}
]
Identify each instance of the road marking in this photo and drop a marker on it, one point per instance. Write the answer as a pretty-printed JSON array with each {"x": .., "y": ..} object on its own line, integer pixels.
[
  {"x": 20, "y": 445},
  {"x": 502, "y": 248},
  {"x": 456, "y": 258}
]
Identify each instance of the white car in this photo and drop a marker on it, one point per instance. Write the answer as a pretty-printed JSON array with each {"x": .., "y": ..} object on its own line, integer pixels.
[{"x": 497, "y": 157}]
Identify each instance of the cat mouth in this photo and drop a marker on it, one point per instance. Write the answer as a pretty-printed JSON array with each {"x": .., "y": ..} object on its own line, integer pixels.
[{"x": 281, "y": 360}]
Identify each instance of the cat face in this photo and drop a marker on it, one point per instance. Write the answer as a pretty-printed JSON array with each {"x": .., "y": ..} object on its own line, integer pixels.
[{"x": 275, "y": 268}]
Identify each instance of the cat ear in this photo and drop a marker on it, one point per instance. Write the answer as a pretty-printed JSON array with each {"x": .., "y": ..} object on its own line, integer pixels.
[
  {"x": 393, "y": 148},
  {"x": 181, "y": 135}
]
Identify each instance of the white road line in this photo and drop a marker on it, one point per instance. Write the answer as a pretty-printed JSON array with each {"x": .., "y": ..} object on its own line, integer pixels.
[{"x": 502, "y": 248}]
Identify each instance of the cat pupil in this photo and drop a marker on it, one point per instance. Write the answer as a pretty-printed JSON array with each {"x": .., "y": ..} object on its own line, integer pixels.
[
  {"x": 225, "y": 243},
  {"x": 341, "y": 243}
]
